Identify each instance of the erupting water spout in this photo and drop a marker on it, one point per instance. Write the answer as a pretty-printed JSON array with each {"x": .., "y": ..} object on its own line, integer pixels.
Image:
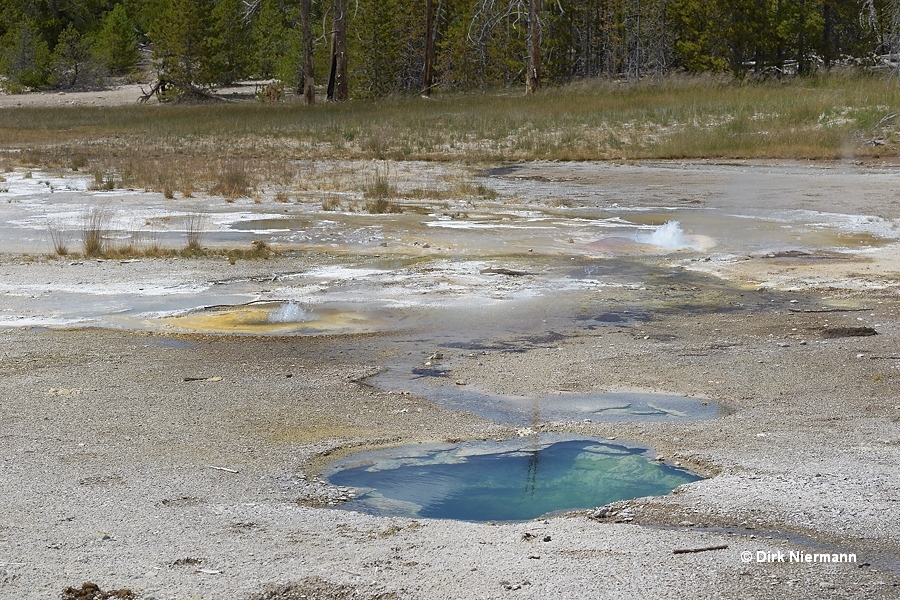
[
  {"x": 289, "y": 312},
  {"x": 669, "y": 236}
]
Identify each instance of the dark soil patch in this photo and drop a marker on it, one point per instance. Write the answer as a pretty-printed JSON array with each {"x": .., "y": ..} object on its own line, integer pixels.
[
  {"x": 842, "y": 332},
  {"x": 92, "y": 591}
]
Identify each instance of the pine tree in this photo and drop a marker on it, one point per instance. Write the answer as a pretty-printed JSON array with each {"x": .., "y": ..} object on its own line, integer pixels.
[
  {"x": 116, "y": 44},
  {"x": 181, "y": 38},
  {"x": 229, "y": 43},
  {"x": 69, "y": 58},
  {"x": 270, "y": 39},
  {"x": 25, "y": 59}
]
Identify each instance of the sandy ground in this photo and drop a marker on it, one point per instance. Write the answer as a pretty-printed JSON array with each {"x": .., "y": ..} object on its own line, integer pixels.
[
  {"x": 186, "y": 466},
  {"x": 116, "y": 96}
]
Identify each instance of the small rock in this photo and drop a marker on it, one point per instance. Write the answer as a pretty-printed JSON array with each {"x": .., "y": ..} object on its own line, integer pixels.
[{"x": 547, "y": 538}]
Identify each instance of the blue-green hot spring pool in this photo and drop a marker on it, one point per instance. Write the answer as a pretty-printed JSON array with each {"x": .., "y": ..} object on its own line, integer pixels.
[{"x": 515, "y": 480}]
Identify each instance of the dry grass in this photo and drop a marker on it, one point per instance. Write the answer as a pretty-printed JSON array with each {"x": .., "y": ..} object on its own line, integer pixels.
[
  {"x": 180, "y": 148},
  {"x": 234, "y": 180},
  {"x": 380, "y": 206},
  {"x": 259, "y": 250},
  {"x": 331, "y": 203},
  {"x": 194, "y": 231},
  {"x": 59, "y": 239},
  {"x": 380, "y": 191},
  {"x": 95, "y": 226},
  {"x": 99, "y": 228},
  {"x": 104, "y": 180}
]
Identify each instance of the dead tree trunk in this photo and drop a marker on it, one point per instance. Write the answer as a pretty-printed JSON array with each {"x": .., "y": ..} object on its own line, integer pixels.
[
  {"x": 309, "y": 92},
  {"x": 533, "y": 79},
  {"x": 432, "y": 21},
  {"x": 429, "y": 48},
  {"x": 338, "y": 88}
]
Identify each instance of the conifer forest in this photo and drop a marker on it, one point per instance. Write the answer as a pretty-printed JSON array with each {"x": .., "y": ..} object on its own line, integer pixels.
[{"x": 376, "y": 48}]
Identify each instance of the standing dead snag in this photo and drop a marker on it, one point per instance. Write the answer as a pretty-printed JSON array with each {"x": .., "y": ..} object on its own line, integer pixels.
[
  {"x": 431, "y": 28},
  {"x": 338, "y": 89},
  {"x": 533, "y": 79},
  {"x": 308, "y": 91},
  {"x": 487, "y": 14}
]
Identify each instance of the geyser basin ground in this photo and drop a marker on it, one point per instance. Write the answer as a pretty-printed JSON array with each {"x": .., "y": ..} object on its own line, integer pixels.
[
  {"x": 515, "y": 480},
  {"x": 116, "y": 432}
]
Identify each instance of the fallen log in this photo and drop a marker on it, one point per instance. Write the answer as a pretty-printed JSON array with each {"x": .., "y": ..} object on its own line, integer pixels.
[{"x": 185, "y": 90}]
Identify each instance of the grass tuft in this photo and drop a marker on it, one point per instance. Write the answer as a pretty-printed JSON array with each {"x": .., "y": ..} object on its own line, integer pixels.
[
  {"x": 104, "y": 180},
  {"x": 95, "y": 227},
  {"x": 259, "y": 250},
  {"x": 59, "y": 240},
  {"x": 194, "y": 231},
  {"x": 380, "y": 191},
  {"x": 381, "y": 206},
  {"x": 331, "y": 203},
  {"x": 234, "y": 180}
]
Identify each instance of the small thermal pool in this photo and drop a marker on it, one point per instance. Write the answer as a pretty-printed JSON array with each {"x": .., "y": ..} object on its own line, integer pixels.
[
  {"x": 436, "y": 384},
  {"x": 281, "y": 318},
  {"x": 515, "y": 480}
]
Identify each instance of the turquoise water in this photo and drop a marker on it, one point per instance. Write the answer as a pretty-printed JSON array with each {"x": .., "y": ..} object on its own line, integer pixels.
[{"x": 509, "y": 481}]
